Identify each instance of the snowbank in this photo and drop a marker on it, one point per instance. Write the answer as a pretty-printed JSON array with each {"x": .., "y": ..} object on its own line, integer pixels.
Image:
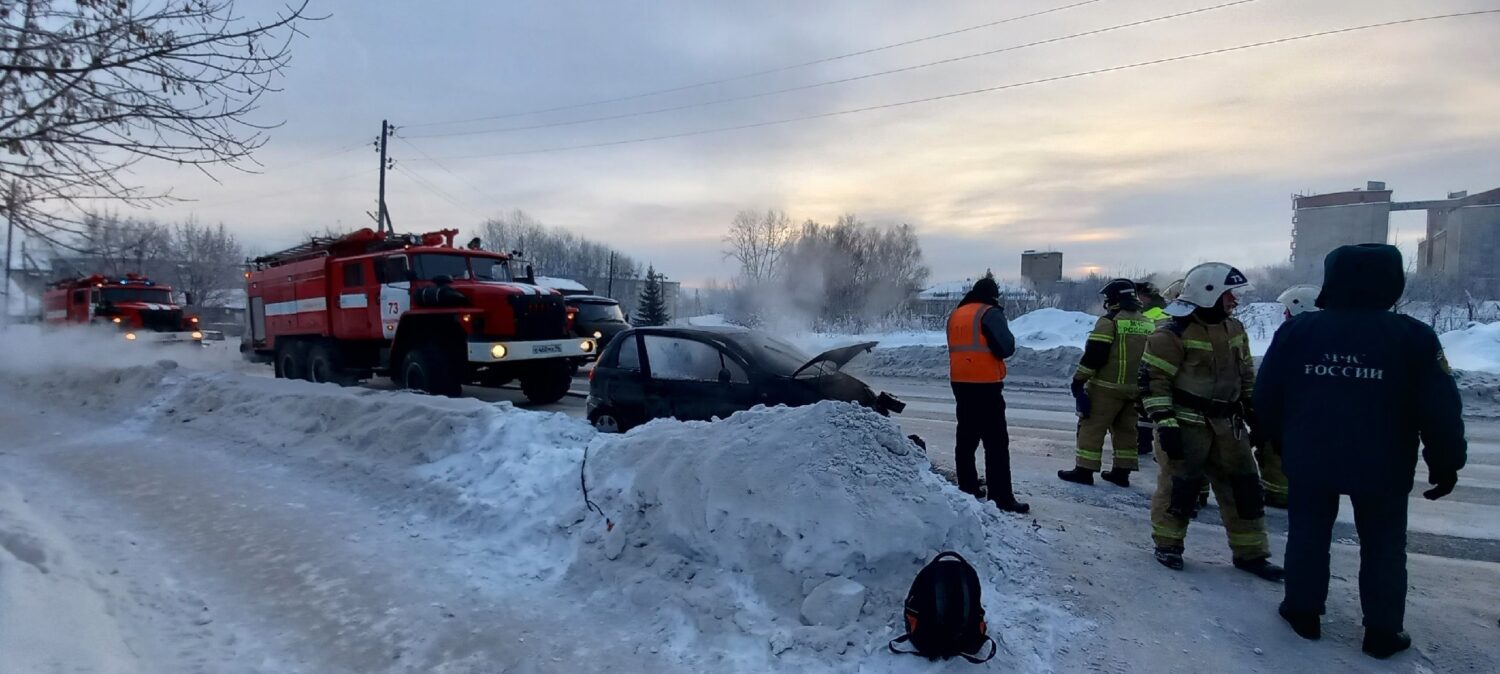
[
  {"x": 1052, "y": 328},
  {"x": 931, "y": 362},
  {"x": 725, "y": 535},
  {"x": 34, "y": 348},
  {"x": 54, "y": 614},
  {"x": 1476, "y": 347},
  {"x": 731, "y": 526},
  {"x": 708, "y": 320}
]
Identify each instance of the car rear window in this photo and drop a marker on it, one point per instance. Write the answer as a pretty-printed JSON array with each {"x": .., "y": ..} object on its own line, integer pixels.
[{"x": 629, "y": 357}]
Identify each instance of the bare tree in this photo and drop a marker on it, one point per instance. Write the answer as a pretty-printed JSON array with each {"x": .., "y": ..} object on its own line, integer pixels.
[
  {"x": 554, "y": 251},
  {"x": 207, "y": 261},
  {"x": 757, "y": 241},
  {"x": 90, "y": 87}
]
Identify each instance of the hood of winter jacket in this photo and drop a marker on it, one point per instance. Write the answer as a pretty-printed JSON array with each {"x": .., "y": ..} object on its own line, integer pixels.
[{"x": 1366, "y": 276}]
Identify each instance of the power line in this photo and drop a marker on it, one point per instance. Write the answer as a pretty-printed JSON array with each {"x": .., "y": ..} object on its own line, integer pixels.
[
  {"x": 758, "y": 73},
  {"x": 472, "y": 187},
  {"x": 845, "y": 80},
  {"x": 428, "y": 185},
  {"x": 971, "y": 92}
]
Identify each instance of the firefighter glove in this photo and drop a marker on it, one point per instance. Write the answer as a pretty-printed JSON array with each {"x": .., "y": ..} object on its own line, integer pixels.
[
  {"x": 1170, "y": 437},
  {"x": 1081, "y": 401},
  {"x": 1443, "y": 481}
]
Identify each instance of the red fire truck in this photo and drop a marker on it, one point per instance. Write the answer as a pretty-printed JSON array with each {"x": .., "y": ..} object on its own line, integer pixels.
[
  {"x": 141, "y": 309},
  {"x": 430, "y": 315}
]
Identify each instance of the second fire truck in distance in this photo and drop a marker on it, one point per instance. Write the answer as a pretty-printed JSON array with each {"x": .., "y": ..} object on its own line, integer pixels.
[
  {"x": 139, "y": 308},
  {"x": 430, "y": 315}
]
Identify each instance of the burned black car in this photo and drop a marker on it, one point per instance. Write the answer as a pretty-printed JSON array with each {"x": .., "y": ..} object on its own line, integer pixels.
[{"x": 706, "y": 372}]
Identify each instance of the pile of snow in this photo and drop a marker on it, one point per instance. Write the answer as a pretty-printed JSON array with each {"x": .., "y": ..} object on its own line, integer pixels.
[
  {"x": 777, "y": 539},
  {"x": 54, "y": 615},
  {"x": 1476, "y": 347},
  {"x": 931, "y": 362},
  {"x": 797, "y": 532},
  {"x": 1052, "y": 328}
]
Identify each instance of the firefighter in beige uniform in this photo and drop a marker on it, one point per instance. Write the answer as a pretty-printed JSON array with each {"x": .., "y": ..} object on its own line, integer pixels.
[
  {"x": 1200, "y": 376},
  {"x": 1105, "y": 389}
]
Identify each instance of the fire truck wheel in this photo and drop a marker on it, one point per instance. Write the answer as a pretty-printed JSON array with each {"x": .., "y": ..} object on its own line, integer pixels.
[
  {"x": 291, "y": 360},
  {"x": 546, "y": 382},
  {"x": 430, "y": 369},
  {"x": 323, "y": 366}
]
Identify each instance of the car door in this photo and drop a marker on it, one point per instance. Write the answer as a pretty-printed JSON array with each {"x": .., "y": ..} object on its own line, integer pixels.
[
  {"x": 622, "y": 384},
  {"x": 695, "y": 379}
]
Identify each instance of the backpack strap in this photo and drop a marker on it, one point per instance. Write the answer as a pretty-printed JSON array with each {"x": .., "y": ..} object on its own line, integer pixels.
[
  {"x": 901, "y": 640},
  {"x": 974, "y": 658}
]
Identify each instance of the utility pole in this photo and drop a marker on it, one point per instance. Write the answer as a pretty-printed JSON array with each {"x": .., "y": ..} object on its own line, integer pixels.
[
  {"x": 384, "y": 216},
  {"x": 10, "y": 235},
  {"x": 611, "y": 285}
]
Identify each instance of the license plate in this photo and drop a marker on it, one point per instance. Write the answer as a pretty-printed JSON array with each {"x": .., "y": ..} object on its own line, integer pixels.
[{"x": 546, "y": 348}]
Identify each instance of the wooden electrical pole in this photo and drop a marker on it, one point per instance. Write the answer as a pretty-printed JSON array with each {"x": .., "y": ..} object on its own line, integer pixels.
[
  {"x": 384, "y": 215},
  {"x": 10, "y": 235}
]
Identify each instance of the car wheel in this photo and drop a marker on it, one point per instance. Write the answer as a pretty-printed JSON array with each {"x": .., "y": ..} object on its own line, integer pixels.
[
  {"x": 605, "y": 421},
  {"x": 430, "y": 369}
]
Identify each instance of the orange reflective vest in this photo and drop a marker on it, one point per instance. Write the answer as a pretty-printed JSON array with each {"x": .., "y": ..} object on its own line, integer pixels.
[{"x": 970, "y": 360}]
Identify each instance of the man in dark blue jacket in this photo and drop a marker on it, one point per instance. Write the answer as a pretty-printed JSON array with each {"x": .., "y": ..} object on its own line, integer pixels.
[{"x": 1349, "y": 392}]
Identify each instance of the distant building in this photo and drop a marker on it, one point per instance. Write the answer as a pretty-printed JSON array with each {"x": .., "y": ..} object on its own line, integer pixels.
[
  {"x": 1042, "y": 269},
  {"x": 1323, "y": 222},
  {"x": 1463, "y": 238},
  {"x": 933, "y": 304}
]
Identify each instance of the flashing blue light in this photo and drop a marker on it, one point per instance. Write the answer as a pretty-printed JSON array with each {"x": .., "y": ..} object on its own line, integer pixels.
[{"x": 122, "y": 281}]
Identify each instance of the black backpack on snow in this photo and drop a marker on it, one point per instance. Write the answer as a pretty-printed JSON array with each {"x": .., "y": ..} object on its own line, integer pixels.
[{"x": 944, "y": 616}]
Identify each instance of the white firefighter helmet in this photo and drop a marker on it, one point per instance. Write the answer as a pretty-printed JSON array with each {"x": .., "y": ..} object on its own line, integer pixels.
[
  {"x": 1300, "y": 298},
  {"x": 1204, "y": 285}
]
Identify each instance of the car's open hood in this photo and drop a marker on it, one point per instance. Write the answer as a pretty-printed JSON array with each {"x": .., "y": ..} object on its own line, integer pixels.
[{"x": 838, "y": 356}]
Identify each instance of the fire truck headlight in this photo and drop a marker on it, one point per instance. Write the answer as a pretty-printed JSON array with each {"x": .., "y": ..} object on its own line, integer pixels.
[
  {"x": 498, "y": 351},
  {"x": 598, "y": 334},
  {"x": 130, "y": 336},
  {"x": 586, "y": 345},
  {"x": 194, "y": 319},
  {"x": 197, "y": 335},
  {"x": 116, "y": 319}
]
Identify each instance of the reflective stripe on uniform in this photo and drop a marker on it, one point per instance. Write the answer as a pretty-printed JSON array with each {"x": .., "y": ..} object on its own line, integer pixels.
[
  {"x": 1091, "y": 454},
  {"x": 1169, "y": 533},
  {"x": 1250, "y": 539},
  {"x": 1188, "y": 416},
  {"x": 1239, "y": 340},
  {"x": 1169, "y": 422},
  {"x": 1199, "y": 344},
  {"x": 1159, "y": 364},
  {"x": 1157, "y": 401},
  {"x": 1273, "y": 488},
  {"x": 1085, "y": 372},
  {"x": 1096, "y": 337}
]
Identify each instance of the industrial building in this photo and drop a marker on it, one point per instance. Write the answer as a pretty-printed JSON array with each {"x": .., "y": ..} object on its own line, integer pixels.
[
  {"x": 1463, "y": 239},
  {"x": 1042, "y": 269},
  {"x": 1462, "y": 236},
  {"x": 1323, "y": 222}
]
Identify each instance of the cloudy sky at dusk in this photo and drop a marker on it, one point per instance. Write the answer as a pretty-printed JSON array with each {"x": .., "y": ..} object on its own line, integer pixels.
[{"x": 1153, "y": 168}]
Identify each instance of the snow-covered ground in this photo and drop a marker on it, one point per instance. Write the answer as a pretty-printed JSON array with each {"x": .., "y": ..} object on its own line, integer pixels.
[
  {"x": 1476, "y": 347},
  {"x": 176, "y": 518}
]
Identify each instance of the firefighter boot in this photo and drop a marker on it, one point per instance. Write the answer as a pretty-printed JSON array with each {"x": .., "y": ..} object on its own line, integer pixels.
[
  {"x": 1077, "y": 476},
  {"x": 1170, "y": 556},
  {"x": 1261, "y": 567},
  {"x": 1116, "y": 476},
  {"x": 1382, "y": 644},
  {"x": 1184, "y": 501},
  {"x": 1011, "y": 505},
  {"x": 1307, "y": 625}
]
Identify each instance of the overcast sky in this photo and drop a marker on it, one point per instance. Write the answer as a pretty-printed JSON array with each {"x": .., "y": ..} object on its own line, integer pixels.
[{"x": 1154, "y": 168}]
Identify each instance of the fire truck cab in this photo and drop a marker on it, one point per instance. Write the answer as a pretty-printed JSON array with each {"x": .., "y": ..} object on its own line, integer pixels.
[
  {"x": 428, "y": 314},
  {"x": 139, "y": 308}
]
